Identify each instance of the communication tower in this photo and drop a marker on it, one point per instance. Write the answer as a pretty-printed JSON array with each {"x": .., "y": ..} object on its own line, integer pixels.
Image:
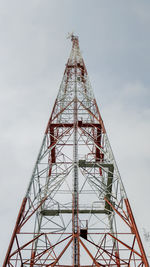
[{"x": 75, "y": 211}]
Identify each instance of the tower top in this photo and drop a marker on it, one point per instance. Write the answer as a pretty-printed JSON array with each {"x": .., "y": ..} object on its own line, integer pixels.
[
  {"x": 75, "y": 55},
  {"x": 72, "y": 36}
]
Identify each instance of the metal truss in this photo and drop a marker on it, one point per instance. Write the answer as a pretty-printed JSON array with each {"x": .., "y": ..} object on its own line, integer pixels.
[{"x": 75, "y": 211}]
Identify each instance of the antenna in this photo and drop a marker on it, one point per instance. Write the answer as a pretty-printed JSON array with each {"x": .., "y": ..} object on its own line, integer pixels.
[
  {"x": 76, "y": 212},
  {"x": 70, "y": 35}
]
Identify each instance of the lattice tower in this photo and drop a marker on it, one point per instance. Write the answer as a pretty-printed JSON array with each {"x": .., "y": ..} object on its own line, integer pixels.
[{"x": 75, "y": 211}]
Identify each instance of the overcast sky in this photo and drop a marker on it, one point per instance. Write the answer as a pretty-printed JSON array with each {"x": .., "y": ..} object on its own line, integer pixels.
[{"x": 115, "y": 43}]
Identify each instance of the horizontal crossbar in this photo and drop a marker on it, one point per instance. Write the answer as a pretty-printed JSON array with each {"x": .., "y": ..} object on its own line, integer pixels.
[
  {"x": 56, "y": 212},
  {"x": 80, "y": 124}
]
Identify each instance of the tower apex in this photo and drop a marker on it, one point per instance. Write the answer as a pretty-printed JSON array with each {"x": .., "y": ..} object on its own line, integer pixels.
[{"x": 73, "y": 37}]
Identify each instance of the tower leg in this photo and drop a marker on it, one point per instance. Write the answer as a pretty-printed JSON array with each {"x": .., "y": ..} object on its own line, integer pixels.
[
  {"x": 136, "y": 232},
  {"x": 16, "y": 229}
]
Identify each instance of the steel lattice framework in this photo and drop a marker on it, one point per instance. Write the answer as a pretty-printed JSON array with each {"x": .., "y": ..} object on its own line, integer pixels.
[{"x": 75, "y": 211}]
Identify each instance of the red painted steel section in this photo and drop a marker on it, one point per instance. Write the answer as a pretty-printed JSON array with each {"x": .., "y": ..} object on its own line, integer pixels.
[
  {"x": 53, "y": 154},
  {"x": 32, "y": 258},
  {"x": 125, "y": 220},
  {"x": 136, "y": 232},
  {"x": 91, "y": 256},
  {"x": 15, "y": 231},
  {"x": 60, "y": 255},
  {"x": 117, "y": 259}
]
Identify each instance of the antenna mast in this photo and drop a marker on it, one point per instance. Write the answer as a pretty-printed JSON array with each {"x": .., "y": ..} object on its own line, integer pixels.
[{"x": 75, "y": 212}]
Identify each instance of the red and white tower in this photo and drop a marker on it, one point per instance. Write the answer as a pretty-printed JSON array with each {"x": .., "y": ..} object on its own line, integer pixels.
[{"x": 75, "y": 211}]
